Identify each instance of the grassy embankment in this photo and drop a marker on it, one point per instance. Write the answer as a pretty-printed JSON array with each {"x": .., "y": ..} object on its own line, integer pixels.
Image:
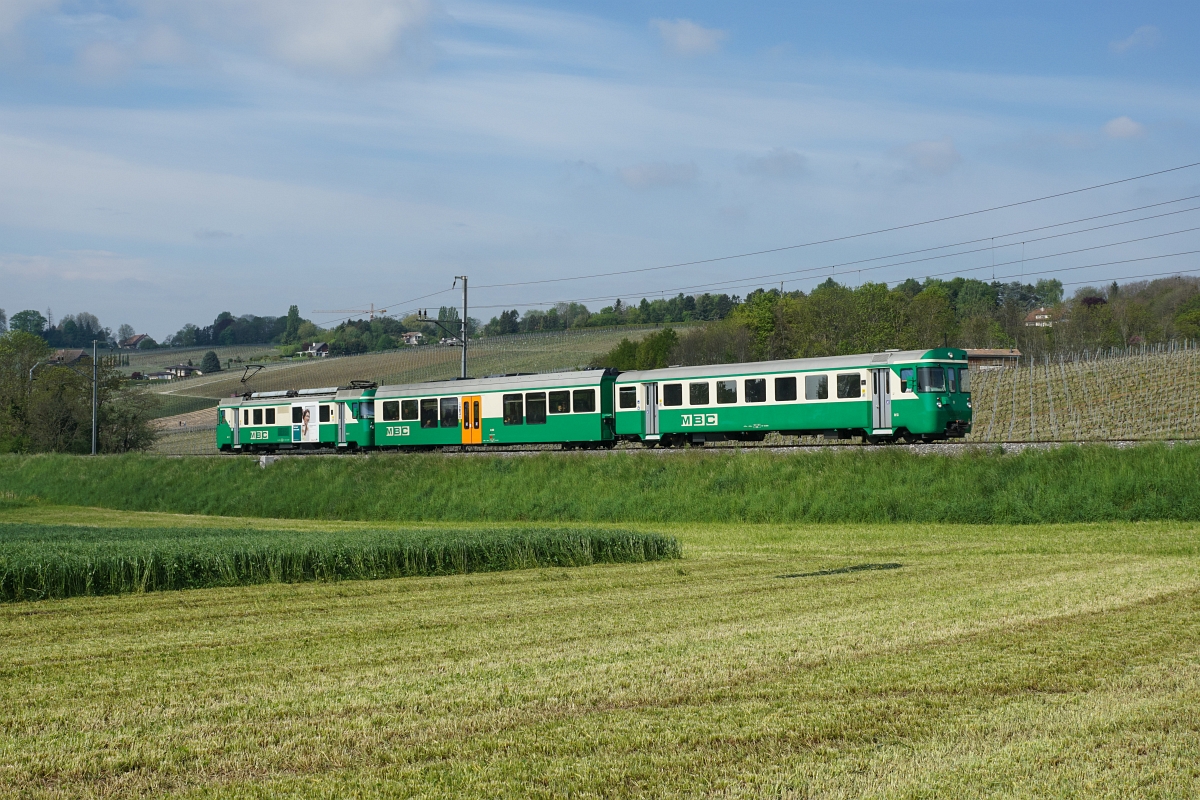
[
  {"x": 40, "y": 561},
  {"x": 1029, "y": 661},
  {"x": 1071, "y": 484}
]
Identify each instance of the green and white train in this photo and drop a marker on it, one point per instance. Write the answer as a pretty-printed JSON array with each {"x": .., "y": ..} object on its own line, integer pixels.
[{"x": 918, "y": 395}]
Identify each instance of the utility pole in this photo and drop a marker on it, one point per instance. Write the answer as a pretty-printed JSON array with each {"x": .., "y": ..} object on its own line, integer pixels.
[
  {"x": 95, "y": 401},
  {"x": 423, "y": 316},
  {"x": 463, "y": 278}
]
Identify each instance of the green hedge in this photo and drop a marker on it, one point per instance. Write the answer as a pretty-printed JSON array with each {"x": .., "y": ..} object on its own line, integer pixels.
[{"x": 1068, "y": 484}]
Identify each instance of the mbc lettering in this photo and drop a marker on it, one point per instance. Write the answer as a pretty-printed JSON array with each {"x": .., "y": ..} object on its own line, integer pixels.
[{"x": 698, "y": 420}]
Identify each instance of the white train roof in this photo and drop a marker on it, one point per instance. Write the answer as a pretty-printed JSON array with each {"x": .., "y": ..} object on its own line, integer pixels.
[
  {"x": 858, "y": 361},
  {"x": 541, "y": 380}
]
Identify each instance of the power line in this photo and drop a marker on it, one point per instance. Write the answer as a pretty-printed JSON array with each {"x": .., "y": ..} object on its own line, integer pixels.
[
  {"x": 741, "y": 283},
  {"x": 1135, "y": 277},
  {"x": 842, "y": 238},
  {"x": 834, "y": 239}
]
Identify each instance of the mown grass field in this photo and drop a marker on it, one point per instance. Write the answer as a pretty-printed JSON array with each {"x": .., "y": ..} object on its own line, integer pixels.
[{"x": 999, "y": 661}]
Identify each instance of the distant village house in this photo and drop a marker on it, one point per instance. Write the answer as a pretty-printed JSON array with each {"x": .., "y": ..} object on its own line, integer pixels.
[
  {"x": 1040, "y": 318},
  {"x": 317, "y": 350},
  {"x": 412, "y": 338}
]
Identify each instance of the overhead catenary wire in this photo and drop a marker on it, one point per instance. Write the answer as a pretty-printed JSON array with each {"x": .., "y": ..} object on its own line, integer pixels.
[
  {"x": 847, "y": 237},
  {"x": 747, "y": 282},
  {"x": 829, "y": 240}
]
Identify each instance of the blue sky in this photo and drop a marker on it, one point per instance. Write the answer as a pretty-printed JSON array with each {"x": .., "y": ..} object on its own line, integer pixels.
[{"x": 163, "y": 161}]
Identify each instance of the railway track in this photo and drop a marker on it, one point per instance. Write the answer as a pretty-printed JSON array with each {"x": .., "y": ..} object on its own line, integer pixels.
[{"x": 930, "y": 448}]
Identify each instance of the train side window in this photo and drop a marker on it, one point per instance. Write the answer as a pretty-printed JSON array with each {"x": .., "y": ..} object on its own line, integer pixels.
[
  {"x": 726, "y": 391},
  {"x": 849, "y": 384},
  {"x": 698, "y": 394},
  {"x": 931, "y": 379},
  {"x": 584, "y": 400},
  {"x": 627, "y": 397},
  {"x": 429, "y": 413},
  {"x": 560, "y": 402},
  {"x": 258, "y": 416},
  {"x": 756, "y": 390},
  {"x": 514, "y": 409},
  {"x": 785, "y": 389},
  {"x": 952, "y": 375},
  {"x": 672, "y": 394},
  {"x": 297, "y": 415},
  {"x": 964, "y": 380},
  {"x": 366, "y": 410},
  {"x": 816, "y": 387},
  {"x": 324, "y": 413},
  {"x": 245, "y": 417},
  {"x": 449, "y": 412},
  {"x": 535, "y": 408},
  {"x": 408, "y": 410},
  {"x": 270, "y": 416},
  {"x": 391, "y": 409},
  {"x": 906, "y": 380}
]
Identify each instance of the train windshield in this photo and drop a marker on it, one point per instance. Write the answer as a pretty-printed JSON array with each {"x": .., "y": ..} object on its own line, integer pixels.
[{"x": 931, "y": 379}]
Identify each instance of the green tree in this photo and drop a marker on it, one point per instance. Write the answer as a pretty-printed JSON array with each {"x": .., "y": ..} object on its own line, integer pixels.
[
  {"x": 28, "y": 321},
  {"x": 210, "y": 362},
  {"x": 291, "y": 333},
  {"x": 931, "y": 318}
]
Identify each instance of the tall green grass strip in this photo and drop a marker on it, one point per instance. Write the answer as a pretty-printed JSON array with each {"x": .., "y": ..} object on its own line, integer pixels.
[
  {"x": 40, "y": 562},
  {"x": 1067, "y": 484}
]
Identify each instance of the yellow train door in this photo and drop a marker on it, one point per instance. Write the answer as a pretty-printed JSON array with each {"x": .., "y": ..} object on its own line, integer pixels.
[{"x": 472, "y": 428}]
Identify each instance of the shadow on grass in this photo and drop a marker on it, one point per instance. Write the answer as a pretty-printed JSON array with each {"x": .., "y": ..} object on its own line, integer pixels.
[{"x": 841, "y": 570}]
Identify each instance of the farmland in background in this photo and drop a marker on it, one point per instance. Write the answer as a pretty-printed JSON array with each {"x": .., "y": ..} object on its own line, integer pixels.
[{"x": 161, "y": 358}]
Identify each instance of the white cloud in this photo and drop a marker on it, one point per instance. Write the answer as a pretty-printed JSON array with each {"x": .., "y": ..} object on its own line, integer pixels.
[
  {"x": 74, "y": 265},
  {"x": 936, "y": 158},
  {"x": 659, "y": 174},
  {"x": 347, "y": 37},
  {"x": 1144, "y": 37},
  {"x": 685, "y": 38},
  {"x": 14, "y": 12},
  {"x": 779, "y": 163},
  {"x": 102, "y": 61},
  {"x": 1124, "y": 128}
]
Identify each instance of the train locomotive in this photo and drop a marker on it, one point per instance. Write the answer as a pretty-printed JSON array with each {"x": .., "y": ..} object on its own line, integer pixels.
[{"x": 893, "y": 396}]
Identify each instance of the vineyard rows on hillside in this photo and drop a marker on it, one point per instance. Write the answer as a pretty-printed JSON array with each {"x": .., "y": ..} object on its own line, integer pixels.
[{"x": 1147, "y": 395}]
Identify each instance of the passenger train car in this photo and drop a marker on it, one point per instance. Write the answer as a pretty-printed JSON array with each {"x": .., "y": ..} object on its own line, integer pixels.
[{"x": 883, "y": 397}]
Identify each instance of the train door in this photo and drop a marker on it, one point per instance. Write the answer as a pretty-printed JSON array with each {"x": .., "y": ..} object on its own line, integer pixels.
[
  {"x": 341, "y": 411},
  {"x": 472, "y": 425},
  {"x": 881, "y": 400},
  {"x": 651, "y": 410},
  {"x": 237, "y": 428}
]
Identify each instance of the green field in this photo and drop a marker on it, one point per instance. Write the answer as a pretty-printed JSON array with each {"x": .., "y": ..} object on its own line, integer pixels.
[
  {"x": 1069, "y": 484},
  {"x": 41, "y": 561},
  {"x": 998, "y": 661}
]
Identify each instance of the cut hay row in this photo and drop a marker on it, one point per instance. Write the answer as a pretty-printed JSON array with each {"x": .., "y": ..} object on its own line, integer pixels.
[{"x": 39, "y": 562}]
